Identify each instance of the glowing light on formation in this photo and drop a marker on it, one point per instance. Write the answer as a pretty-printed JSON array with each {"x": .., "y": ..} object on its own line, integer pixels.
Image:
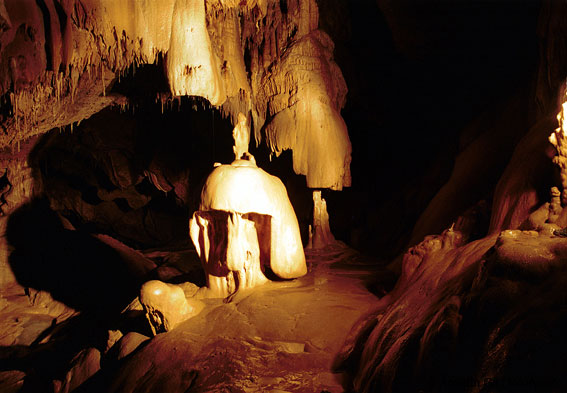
[
  {"x": 559, "y": 139},
  {"x": 561, "y": 118},
  {"x": 562, "y": 129}
]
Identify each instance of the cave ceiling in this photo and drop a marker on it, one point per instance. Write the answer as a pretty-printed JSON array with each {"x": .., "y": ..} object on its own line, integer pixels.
[{"x": 267, "y": 59}]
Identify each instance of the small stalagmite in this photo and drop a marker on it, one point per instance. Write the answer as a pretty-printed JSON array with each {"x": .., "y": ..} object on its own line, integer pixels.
[
  {"x": 320, "y": 234},
  {"x": 241, "y": 135},
  {"x": 166, "y": 305},
  {"x": 245, "y": 225}
]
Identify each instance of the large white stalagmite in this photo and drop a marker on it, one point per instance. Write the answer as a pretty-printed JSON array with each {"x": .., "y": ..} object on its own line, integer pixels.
[
  {"x": 244, "y": 225},
  {"x": 244, "y": 206}
]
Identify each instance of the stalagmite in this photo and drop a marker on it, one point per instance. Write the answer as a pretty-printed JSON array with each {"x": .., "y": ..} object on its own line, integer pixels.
[
  {"x": 166, "y": 305},
  {"x": 242, "y": 197},
  {"x": 245, "y": 224},
  {"x": 320, "y": 233},
  {"x": 241, "y": 135},
  {"x": 555, "y": 208}
]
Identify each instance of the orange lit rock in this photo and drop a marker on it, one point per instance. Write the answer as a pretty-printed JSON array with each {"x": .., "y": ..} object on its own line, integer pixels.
[
  {"x": 529, "y": 253},
  {"x": 281, "y": 337},
  {"x": 418, "y": 319},
  {"x": 192, "y": 67},
  {"x": 312, "y": 127},
  {"x": 128, "y": 344},
  {"x": 241, "y": 135},
  {"x": 559, "y": 139},
  {"x": 244, "y": 209},
  {"x": 548, "y": 217},
  {"x": 320, "y": 233},
  {"x": 166, "y": 305},
  {"x": 84, "y": 365}
]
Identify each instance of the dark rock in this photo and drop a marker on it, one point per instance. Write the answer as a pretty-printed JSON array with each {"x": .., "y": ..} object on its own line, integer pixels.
[
  {"x": 83, "y": 366},
  {"x": 11, "y": 381}
]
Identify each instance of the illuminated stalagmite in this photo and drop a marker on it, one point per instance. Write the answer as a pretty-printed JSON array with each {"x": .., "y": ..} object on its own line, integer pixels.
[
  {"x": 320, "y": 232},
  {"x": 244, "y": 225}
]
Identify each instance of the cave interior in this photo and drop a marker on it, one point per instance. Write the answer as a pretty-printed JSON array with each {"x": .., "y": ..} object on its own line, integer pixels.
[{"x": 283, "y": 196}]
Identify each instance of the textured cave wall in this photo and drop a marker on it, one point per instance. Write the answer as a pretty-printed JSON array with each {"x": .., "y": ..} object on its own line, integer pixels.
[
  {"x": 479, "y": 311},
  {"x": 464, "y": 315}
]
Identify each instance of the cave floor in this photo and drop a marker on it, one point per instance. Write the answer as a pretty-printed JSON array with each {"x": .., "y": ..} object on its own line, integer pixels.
[{"x": 281, "y": 337}]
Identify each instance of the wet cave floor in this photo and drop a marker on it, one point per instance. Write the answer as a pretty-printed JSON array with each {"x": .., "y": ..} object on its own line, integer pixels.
[{"x": 281, "y": 337}]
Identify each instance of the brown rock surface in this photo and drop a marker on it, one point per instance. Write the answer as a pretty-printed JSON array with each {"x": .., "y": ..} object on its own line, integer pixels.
[{"x": 279, "y": 337}]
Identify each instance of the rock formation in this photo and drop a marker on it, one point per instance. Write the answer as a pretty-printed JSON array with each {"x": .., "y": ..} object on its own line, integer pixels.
[
  {"x": 320, "y": 233},
  {"x": 244, "y": 225},
  {"x": 558, "y": 139},
  {"x": 166, "y": 305},
  {"x": 59, "y": 61},
  {"x": 112, "y": 112},
  {"x": 241, "y": 136},
  {"x": 450, "y": 288}
]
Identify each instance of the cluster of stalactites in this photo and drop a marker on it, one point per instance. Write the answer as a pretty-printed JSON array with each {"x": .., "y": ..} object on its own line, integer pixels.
[
  {"x": 265, "y": 58},
  {"x": 298, "y": 86},
  {"x": 289, "y": 83}
]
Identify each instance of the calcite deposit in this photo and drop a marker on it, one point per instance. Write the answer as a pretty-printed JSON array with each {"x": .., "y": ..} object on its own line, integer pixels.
[
  {"x": 320, "y": 234},
  {"x": 244, "y": 225},
  {"x": 166, "y": 306}
]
